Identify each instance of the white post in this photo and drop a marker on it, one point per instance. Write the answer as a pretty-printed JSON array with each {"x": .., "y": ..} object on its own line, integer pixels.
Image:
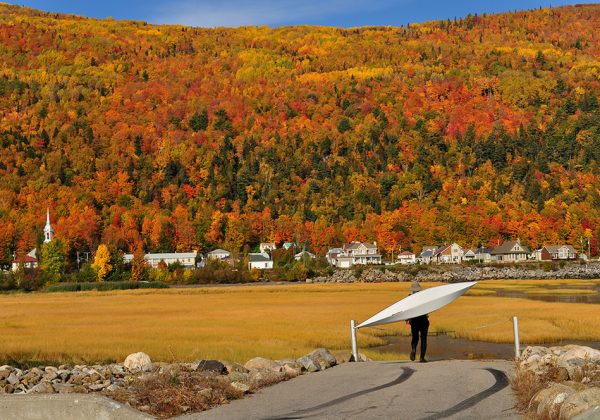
[
  {"x": 516, "y": 331},
  {"x": 354, "y": 345}
]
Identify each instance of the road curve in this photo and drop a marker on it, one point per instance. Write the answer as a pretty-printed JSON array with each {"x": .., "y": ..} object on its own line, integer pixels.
[{"x": 452, "y": 389}]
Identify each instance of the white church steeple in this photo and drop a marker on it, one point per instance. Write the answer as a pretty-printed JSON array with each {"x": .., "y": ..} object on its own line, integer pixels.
[{"x": 48, "y": 231}]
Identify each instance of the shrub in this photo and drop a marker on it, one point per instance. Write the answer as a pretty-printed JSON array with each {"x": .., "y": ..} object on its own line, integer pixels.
[
  {"x": 217, "y": 272},
  {"x": 171, "y": 394},
  {"x": 104, "y": 286}
]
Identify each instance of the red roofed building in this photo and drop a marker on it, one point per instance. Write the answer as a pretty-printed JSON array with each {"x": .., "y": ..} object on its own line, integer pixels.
[{"x": 28, "y": 261}]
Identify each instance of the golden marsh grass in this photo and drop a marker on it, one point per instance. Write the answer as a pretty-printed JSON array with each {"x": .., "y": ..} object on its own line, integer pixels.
[{"x": 238, "y": 323}]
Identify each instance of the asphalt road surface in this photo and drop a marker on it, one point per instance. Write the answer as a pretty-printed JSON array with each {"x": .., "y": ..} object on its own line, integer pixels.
[{"x": 451, "y": 389}]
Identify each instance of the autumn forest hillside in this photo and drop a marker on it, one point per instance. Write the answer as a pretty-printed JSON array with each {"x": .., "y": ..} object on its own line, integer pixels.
[{"x": 470, "y": 130}]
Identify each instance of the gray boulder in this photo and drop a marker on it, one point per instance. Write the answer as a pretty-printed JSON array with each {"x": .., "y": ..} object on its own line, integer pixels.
[
  {"x": 42, "y": 388},
  {"x": 581, "y": 352},
  {"x": 591, "y": 414},
  {"x": 240, "y": 386},
  {"x": 549, "y": 400},
  {"x": 262, "y": 363},
  {"x": 309, "y": 364},
  {"x": 136, "y": 361},
  {"x": 265, "y": 377},
  {"x": 324, "y": 357},
  {"x": 211, "y": 366},
  {"x": 580, "y": 402},
  {"x": 239, "y": 377},
  {"x": 235, "y": 367}
]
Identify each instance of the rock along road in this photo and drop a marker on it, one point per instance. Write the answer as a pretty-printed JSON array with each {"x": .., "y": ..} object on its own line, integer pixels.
[{"x": 452, "y": 389}]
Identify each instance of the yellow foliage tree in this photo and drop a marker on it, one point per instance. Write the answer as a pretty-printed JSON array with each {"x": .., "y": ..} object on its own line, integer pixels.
[
  {"x": 102, "y": 262},
  {"x": 138, "y": 265}
]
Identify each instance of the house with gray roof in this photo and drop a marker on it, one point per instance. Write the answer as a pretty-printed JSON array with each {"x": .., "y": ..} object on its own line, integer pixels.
[
  {"x": 448, "y": 254},
  {"x": 259, "y": 261},
  {"x": 511, "y": 251},
  {"x": 304, "y": 255},
  {"x": 426, "y": 255},
  {"x": 355, "y": 253},
  {"x": 558, "y": 252},
  {"x": 332, "y": 255},
  {"x": 218, "y": 254},
  {"x": 483, "y": 254}
]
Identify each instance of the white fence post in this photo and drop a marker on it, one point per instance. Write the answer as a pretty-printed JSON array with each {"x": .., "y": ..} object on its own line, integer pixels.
[
  {"x": 516, "y": 331},
  {"x": 354, "y": 344}
]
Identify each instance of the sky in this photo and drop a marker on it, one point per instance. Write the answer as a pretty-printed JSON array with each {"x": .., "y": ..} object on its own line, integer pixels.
[{"x": 273, "y": 13}]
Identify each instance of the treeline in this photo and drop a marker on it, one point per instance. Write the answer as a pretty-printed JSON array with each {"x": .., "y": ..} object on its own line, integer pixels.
[{"x": 108, "y": 271}]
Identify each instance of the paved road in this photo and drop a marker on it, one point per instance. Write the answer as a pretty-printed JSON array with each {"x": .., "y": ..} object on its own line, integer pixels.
[{"x": 455, "y": 389}]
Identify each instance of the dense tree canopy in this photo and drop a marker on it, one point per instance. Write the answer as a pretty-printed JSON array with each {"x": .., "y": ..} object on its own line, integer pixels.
[{"x": 179, "y": 138}]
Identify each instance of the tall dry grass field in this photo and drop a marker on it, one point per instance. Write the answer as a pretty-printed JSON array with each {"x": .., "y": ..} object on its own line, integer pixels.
[{"x": 238, "y": 323}]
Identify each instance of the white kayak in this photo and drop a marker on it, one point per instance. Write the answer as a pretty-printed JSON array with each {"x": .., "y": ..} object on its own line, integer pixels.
[{"x": 419, "y": 303}]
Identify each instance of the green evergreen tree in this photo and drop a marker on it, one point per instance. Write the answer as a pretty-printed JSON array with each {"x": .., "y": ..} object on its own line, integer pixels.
[{"x": 199, "y": 121}]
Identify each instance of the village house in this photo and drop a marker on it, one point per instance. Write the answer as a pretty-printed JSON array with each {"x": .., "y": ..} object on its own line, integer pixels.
[
  {"x": 469, "y": 255},
  {"x": 448, "y": 254},
  {"x": 267, "y": 246},
  {"x": 511, "y": 251},
  {"x": 28, "y": 261},
  {"x": 426, "y": 255},
  {"x": 483, "y": 254},
  {"x": 259, "y": 261},
  {"x": 304, "y": 255},
  {"x": 406, "y": 257},
  {"x": 218, "y": 254},
  {"x": 358, "y": 253},
  {"x": 558, "y": 252},
  {"x": 287, "y": 245},
  {"x": 332, "y": 255},
  {"x": 185, "y": 259}
]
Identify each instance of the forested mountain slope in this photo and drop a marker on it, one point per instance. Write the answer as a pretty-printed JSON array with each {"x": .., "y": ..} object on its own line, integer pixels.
[{"x": 468, "y": 130}]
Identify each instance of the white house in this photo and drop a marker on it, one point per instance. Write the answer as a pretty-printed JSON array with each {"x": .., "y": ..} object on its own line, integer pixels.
[
  {"x": 469, "y": 255},
  {"x": 426, "y": 254},
  {"x": 259, "y": 261},
  {"x": 332, "y": 255},
  {"x": 358, "y": 253},
  {"x": 186, "y": 259},
  {"x": 407, "y": 257},
  {"x": 28, "y": 261},
  {"x": 448, "y": 254},
  {"x": 267, "y": 246},
  {"x": 304, "y": 255},
  {"x": 558, "y": 252},
  {"x": 218, "y": 254},
  {"x": 483, "y": 254}
]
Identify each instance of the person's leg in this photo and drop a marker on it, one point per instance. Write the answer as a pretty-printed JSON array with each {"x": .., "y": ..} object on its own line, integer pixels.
[
  {"x": 424, "y": 330},
  {"x": 414, "y": 330}
]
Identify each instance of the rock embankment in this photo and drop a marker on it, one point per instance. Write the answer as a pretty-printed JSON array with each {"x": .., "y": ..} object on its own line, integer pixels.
[
  {"x": 571, "y": 378},
  {"x": 457, "y": 273},
  {"x": 133, "y": 382}
]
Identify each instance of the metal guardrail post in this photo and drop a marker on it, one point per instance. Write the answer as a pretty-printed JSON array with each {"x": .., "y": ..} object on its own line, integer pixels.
[
  {"x": 354, "y": 343},
  {"x": 516, "y": 332}
]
